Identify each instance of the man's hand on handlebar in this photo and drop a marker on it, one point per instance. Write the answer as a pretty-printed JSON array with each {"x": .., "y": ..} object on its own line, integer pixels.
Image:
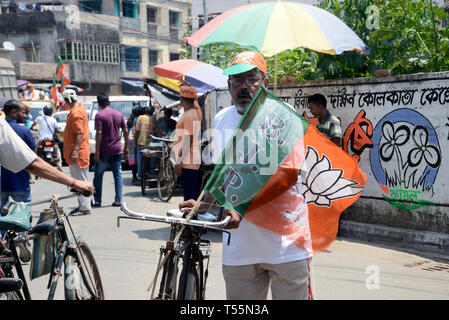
[
  {"x": 84, "y": 187},
  {"x": 186, "y": 205},
  {"x": 235, "y": 217}
]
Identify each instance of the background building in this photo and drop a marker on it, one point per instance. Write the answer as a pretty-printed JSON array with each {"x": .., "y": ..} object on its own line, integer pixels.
[{"x": 108, "y": 45}]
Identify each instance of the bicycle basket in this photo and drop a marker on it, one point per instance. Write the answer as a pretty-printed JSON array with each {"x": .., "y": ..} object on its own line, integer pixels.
[
  {"x": 44, "y": 249},
  {"x": 19, "y": 219}
]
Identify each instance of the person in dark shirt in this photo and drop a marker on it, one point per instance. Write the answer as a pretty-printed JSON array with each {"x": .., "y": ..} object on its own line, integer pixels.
[
  {"x": 17, "y": 185},
  {"x": 109, "y": 151},
  {"x": 166, "y": 125}
]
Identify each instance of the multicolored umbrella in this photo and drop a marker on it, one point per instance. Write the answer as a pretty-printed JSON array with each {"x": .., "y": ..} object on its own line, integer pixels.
[
  {"x": 202, "y": 76},
  {"x": 273, "y": 27}
]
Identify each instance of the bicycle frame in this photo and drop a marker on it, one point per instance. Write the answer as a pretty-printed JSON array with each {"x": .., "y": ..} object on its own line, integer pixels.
[
  {"x": 187, "y": 246},
  {"x": 66, "y": 246}
]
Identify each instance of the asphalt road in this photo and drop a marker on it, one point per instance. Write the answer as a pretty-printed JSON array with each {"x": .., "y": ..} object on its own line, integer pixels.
[{"x": 127, "y": 255}]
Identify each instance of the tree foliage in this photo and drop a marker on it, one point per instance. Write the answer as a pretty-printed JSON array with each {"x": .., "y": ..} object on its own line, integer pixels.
[{"x": 405, "y": 36}]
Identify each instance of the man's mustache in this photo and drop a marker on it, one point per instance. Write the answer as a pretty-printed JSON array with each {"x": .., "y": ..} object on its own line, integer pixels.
[{"x": 245, "y": 94}]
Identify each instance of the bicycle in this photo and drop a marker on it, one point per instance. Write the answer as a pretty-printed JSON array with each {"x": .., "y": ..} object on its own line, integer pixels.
[
  {"x": 166, "y": 179},
  {"x": 81, "y": 275},
  {"x": 185, "y": 243}
]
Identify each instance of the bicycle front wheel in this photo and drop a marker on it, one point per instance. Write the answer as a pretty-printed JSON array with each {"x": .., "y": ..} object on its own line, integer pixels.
[
  {"x": 189, "y": 284},
  {"x": 82, "y": 278},
  {"x": 166, "y": 181},
  {"x": 12, "y": 295}
]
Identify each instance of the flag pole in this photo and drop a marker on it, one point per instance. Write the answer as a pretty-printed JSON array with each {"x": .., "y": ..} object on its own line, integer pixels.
[{"x": 275, "y": 73}]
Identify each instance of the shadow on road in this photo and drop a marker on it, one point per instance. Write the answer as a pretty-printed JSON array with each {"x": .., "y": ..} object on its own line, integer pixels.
[{"x": 438, "y": 257}]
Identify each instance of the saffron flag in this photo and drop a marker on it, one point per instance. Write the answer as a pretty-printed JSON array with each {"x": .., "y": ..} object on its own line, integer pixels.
[
  {"x": 54, "y": 92},
  {"x": 280, "y": 173},
  {"x": 62, "y": 74}
]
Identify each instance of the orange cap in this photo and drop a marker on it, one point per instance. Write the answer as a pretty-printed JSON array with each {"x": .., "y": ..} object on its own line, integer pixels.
[
  {"x": 187, "y": 92},
  {"x": 246, "y": 61}
]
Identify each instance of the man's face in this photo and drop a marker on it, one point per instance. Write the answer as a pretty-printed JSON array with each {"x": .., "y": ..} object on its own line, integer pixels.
[
  {"x": 243, "y": 87},
  {"x": 315, "y": 109},
  {"x": 21, "y": 114}
]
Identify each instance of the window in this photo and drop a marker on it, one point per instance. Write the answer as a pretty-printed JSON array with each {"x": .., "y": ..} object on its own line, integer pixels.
[
  {"x": 130, "y": 8},
  {"x": 174, "y": 56},
  {"x": 152, "y": 58},
  {"x": 174, "y": 25},
  {"x": 152, "y": 21},
  {"x": 90, "y": 52},
  {"x": 151, "y": 14},
  {"x": 93, "y": 6},
  {"x": 68, "y": 51},
  {"x": 132, "y": 59},
  {"x": 31, "y": 55},
  {"x": 173, "y": 19}
]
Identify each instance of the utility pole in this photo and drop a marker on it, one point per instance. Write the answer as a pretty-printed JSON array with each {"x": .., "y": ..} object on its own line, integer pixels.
[{"x": 204, "y": 11}]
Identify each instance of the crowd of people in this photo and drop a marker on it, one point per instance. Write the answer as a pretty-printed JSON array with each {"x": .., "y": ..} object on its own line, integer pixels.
[
  {"x": 110, "y": 126},
  {"x": 256, "y": 258}
]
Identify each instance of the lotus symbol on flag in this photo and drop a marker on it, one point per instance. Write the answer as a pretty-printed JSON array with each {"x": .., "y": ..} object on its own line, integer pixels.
[{"x": 321, "y": 183}]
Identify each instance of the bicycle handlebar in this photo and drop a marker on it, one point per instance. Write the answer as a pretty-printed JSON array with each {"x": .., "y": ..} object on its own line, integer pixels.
[
  {"x": 67, "y": 196},
  {"x": 162, "y": 139},
  {"x": 195, "y": 223},
  {"x": 11, "y": 201}
]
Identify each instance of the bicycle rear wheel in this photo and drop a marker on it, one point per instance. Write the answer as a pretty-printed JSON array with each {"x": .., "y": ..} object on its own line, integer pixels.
[
  {"x": 166, "y": 181},
  {"x": 82, "y": 278}
]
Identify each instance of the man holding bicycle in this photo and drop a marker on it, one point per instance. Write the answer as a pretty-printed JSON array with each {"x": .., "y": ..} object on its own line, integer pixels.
[
  {"x": 15, "y": 156},
  {"x": 255, "y": 257}
]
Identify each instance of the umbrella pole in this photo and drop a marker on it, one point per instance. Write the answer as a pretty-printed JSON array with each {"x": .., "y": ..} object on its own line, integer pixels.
[{"x": 275, "y": 74}]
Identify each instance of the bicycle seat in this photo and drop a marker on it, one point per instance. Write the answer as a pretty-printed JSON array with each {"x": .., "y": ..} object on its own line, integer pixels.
[
  {"x": 201, "y": 216},
  {"x": 19, "y": 219}
]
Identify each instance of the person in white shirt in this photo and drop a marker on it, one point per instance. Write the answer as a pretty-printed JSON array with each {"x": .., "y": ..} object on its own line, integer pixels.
[
  {"x": 15, "y": 156},
  {"x": 48, "y": 125},
  {"x": 256, "y": 257},
  {"x": 48, "y": 129}
]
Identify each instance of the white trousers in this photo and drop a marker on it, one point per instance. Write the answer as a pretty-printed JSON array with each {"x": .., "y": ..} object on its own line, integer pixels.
[{"x": 81, "y": 174}]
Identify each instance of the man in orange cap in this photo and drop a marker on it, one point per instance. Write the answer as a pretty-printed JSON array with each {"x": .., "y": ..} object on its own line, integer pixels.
[
  {"x": 256, "y": 258},
  {"x": 187, "y": 148}
]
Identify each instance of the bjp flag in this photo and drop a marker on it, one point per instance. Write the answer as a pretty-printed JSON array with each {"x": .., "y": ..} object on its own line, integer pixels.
[
  {"x": 280, "y": 173},
  {"x": 62, "y": 74},
  {"x": 54, "y": 92}
]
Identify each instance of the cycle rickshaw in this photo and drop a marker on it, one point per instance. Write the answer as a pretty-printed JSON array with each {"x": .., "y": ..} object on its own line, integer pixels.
[{"x": 163, "y": 175}]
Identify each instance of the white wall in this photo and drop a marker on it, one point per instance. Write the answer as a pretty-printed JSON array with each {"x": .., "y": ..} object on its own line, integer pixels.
[{"x": 398, "y": 128}]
